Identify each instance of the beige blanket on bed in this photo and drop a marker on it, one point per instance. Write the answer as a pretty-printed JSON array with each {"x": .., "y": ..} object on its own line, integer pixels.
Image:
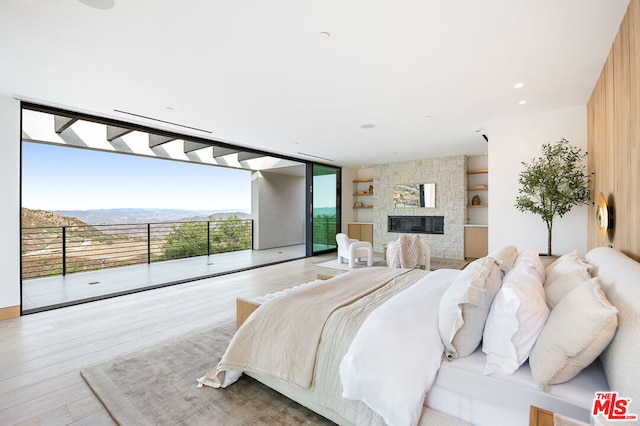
[
  {"x": 340, "y": 329},
  {"x": 290, "y": 326}
]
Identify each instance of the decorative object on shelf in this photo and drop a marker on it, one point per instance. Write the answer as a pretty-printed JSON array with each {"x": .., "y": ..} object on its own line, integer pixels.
[
  {"x": 552, "y": 184},
  {"x": 358, "y": 205},
  {"x": 370, "y": 189},
  {"x": 475, "y": 200},
  {"x": 604, "y": 218}
]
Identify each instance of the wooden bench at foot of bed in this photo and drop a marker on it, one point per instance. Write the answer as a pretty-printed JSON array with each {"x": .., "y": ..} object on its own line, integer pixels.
[{"x": 245, "y": 307}]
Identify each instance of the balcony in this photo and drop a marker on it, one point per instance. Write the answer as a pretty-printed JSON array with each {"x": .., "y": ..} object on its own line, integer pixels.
[{"x": 72, "y": 264}]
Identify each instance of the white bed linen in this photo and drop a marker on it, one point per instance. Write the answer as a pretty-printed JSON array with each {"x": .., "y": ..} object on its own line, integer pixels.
[
  {"x": 463, "y": 391},
  {"x": 395, "y": 356}
]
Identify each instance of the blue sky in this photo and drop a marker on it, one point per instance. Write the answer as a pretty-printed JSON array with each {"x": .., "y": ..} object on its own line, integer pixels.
[
  {"x": 324, "y": 191},
  {"x": 63, "y": 178}
]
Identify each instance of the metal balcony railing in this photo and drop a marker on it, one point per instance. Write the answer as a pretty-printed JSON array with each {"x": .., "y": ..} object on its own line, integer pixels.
[
  {"x": 324, "y": 230},
  {"x": 62, "y": 250}
]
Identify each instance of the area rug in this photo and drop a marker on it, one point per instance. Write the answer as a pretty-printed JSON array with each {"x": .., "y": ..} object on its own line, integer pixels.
[
  {"x": 442, "y": 263},
  {"x": 157, "y": 386},
  {"x": 436, "y": 263},
  {"x": 334, "y": 264}
]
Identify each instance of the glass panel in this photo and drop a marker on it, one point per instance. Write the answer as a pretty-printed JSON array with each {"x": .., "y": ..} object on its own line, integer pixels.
[
  {"x": 326, "y": 191},
  {"x": 152, "y": 223}
]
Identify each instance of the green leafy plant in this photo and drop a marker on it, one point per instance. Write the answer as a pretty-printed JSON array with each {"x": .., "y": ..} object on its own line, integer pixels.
[
  {"x": 554, "y": 183},
  {"x": 190, "y": 238}
]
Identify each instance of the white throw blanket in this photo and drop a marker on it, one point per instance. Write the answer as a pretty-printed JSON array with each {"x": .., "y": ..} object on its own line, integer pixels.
[
  {"x": 395, "y": 356},
  {"x": 404, "y": 252}
]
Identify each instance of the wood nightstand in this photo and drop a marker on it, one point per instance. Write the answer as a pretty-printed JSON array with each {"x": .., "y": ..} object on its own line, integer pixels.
[{"x": 540, "y": 417}]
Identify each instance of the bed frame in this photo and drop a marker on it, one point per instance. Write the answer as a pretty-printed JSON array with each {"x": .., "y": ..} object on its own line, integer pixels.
[{"x": 481, "y": 399}]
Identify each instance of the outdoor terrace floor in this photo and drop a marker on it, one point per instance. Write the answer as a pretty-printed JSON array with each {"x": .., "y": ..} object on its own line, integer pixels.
[{"x": 52, "y": 292}]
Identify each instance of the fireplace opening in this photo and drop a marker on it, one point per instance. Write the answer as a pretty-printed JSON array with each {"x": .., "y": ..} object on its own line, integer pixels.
[{"x": 416, "y": 224}]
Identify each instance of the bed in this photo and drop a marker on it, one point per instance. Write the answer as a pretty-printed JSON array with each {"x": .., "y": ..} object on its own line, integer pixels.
[{"x": 385, "y": 355}]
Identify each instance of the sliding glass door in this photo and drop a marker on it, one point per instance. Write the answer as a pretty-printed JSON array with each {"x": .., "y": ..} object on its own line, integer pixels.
[{"x": 324, "y": 208}]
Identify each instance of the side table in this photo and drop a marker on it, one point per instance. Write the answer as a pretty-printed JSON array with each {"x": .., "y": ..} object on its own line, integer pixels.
[{"x": 541, "y": 417}]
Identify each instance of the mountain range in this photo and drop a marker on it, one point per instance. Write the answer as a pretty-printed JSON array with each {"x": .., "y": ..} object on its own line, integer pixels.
[{"x": 133, "y": 215}]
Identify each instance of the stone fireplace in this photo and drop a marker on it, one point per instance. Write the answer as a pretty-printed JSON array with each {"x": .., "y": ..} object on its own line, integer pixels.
[{"x": 450, "y": 176}]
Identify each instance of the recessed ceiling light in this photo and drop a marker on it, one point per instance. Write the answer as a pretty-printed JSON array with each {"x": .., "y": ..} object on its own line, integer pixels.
[
  {"x": 523, "y": 102},
  {"x": 170, "y": 108},
  {"x": 518, "y": 85},
  {"x": 428, "y": 116},
  {"x": 368, "y": 126},
  {"x": 477, "y": 130},
  {"x": 324, "y": 34}
]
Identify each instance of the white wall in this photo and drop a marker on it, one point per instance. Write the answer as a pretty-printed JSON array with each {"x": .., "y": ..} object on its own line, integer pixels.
[
  {"x": 10, "y": 205},
  {"x": 512, "y": 141},
  {"x": 278, "y": 209}
]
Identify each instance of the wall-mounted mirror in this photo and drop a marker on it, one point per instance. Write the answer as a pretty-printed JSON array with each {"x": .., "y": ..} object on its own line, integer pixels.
[{"x": 415, "y": 195}]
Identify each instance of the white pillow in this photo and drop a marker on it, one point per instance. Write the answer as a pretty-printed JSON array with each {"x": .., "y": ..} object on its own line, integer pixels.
[
  {"x": 516, "y": 318},
  {"x": 505, "y": 257},
  {"x": 465, "y": 304},
  {"x": 532, "y": 258},
  {"x": 564, "y": 275},
  {"x": 578, "y": 329},
  {"x": 573, "y": 256}
]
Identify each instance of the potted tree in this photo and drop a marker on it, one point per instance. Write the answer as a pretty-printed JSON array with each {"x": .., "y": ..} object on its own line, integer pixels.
[{"x": 552, "y": 184}]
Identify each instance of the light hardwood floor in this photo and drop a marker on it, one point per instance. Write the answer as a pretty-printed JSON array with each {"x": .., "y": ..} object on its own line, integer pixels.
[{"x": 41, "y": 355}]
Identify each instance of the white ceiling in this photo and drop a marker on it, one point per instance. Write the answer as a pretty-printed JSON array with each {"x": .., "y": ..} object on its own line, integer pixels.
[{"x": 260, "y": 74}]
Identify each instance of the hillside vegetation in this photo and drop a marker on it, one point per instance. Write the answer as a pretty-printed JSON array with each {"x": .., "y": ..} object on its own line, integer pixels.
[
  {"x": 88, "y": 248},
  {"x": 43, "y": 218}
]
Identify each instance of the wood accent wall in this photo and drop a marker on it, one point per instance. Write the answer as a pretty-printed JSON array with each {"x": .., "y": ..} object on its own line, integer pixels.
[{"x": 613, "y": 117}]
